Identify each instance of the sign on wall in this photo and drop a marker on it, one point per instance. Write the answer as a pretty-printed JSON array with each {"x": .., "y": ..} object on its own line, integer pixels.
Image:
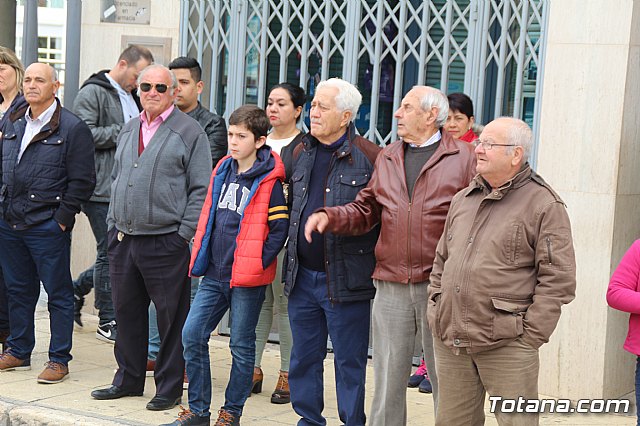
[{"x": 125, "y": 11}]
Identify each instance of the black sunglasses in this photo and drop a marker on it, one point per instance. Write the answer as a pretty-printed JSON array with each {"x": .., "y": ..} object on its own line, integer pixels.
[{"x": 160, "y": 87}]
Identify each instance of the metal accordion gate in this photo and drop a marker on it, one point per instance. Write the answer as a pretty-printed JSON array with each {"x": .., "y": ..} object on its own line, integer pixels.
[{"x": 492, "y": 50}]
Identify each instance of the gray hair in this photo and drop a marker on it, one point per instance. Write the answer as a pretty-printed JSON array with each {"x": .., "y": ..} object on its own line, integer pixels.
[
  {"x": 519, "y": 134},
  {"x": 435, "y": 98},
  {"x": 348, "y": 98},
  {"x": 174, "y": 80}
]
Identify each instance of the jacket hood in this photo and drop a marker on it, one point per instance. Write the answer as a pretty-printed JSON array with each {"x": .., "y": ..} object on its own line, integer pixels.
[
  {"x": 264, "y": 163},
  {"x": 100, "y": 79}
]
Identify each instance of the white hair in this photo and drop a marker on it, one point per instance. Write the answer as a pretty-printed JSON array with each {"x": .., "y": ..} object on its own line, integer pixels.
[
  {"x": 519, "y": 134},
  {"x": 348, "y": 98},
  {"x": 433, "y": 98},
  {"x": 174, "y": 80}
]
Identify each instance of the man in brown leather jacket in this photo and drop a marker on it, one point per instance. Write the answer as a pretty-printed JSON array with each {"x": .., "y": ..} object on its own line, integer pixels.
[
  {"x": 504, "y": 267},
  {"x": 409, "y": 193}
]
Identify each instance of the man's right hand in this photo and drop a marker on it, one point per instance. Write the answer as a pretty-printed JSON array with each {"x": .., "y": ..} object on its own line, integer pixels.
[{"x": 317, "y": 222}]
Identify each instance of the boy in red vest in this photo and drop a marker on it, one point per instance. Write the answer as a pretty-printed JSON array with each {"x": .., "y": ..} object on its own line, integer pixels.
[{"x": 242, "y": 227}]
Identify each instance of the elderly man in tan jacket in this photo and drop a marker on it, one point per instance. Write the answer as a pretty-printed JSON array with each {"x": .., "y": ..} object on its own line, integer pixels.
[{"x": 504, "y": 266}]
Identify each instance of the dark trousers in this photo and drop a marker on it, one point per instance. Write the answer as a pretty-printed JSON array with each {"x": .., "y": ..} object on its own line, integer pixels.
[
  {"x": 4, "y": 305},
  {"x": 41, "y": 253},
  {"x": 97, "y": 276},
  {"x": 145, "y": 268},
  {"x": 313, "y": 317}
]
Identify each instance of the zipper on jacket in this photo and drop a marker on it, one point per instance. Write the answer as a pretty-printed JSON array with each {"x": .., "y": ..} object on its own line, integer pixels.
[
  {"x": 334, "y": 158},
  {"x": 548, "y": 240},
  {"x": 410, "y": 266}
]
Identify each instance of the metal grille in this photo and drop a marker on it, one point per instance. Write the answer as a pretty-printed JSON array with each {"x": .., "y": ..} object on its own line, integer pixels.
[{"x": 490, "y": 49}]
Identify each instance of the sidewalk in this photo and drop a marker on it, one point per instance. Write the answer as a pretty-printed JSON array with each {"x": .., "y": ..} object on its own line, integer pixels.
[{"x": 24, "y": 401}]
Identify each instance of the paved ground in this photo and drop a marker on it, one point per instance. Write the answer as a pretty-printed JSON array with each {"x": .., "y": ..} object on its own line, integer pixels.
[{"x": 25, "y": 402}]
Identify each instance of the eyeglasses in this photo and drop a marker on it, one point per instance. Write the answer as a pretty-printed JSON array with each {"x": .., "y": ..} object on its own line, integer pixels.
[
  {"x": 160, "y": 87},
  {"x": 486, "y": 145}
]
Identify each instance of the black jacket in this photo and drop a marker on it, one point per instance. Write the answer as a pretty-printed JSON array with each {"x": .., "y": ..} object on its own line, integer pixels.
[
  {"x": 216, "y": 130},
  {"x": 350, "y": 260},
  {"x": 55, "y": 174}
]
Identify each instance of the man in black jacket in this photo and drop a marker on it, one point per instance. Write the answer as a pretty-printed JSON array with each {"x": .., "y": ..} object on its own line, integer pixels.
[
  {"x": 328, "y": 278},
  {"x": 106, "y": 101},
  {"x": 188, "y": 72},
  {"x": 47, "y": 173}
]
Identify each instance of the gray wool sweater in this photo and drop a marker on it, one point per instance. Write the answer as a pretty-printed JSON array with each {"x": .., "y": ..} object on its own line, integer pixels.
[{"x": 162, "y": 190}]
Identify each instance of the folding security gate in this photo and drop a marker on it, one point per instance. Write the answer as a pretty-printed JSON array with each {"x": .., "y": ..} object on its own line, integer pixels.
[{"x": 490, "y": 49}]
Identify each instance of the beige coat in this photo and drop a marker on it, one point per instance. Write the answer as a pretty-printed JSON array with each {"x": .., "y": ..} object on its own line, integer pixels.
[{"x": 504, "y": 265}]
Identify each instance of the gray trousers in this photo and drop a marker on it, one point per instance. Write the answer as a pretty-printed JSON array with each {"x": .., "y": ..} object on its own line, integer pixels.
[{"x": 399, "y": 312}]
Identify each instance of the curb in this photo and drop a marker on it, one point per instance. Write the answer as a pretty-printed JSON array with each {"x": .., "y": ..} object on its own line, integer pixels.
[{"x": 15, "y": 413}]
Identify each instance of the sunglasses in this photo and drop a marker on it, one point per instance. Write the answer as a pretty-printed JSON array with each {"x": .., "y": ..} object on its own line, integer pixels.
[{"x": 160, "y": 87}]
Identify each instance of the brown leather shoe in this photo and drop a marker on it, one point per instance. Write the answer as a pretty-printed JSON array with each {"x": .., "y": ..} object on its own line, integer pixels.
[
  {"x": 9, "y": 362},
  {"x": 281, "y": 395},
  {"x": 54, "y": 372},
  {"x": 256, "y": 386}
]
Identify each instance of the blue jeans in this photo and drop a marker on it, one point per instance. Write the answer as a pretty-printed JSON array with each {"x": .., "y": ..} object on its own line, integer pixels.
[
  {"x": 638, "y": 389},
  {"x": 40, "y": 253},
  {"x": 4, "y": 305},
  {"x": 313, "y": 317},
  {"x": 97, "y": 276},
  {"x": 212, "y": 300}
]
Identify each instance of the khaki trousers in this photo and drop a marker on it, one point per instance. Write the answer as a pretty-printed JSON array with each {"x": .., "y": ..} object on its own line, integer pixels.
[{"x": 510, "y": 372}]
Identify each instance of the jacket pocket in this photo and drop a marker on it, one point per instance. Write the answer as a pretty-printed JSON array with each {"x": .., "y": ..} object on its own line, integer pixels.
[
  {"x": 433, "y": 314},
  {"x": 359, "y": 262},
  {"x": 513, "y": 243},
  {"x": 350, "y": 185},
  {"x": 507, "y": 317}
]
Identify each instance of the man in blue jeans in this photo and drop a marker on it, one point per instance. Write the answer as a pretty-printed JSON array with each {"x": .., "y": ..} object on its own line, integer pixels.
[
  {"x": 106, "y": 101},
  {"x": 47, "y": 172},
  {"x": 328, "y": 278}
]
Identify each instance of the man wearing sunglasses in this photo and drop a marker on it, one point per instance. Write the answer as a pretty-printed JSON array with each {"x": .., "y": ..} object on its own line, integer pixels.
[
  {"x": 504, "y": 267},
  {"x": 160, "y": 178},
  {"x": 106, "y": 102}
]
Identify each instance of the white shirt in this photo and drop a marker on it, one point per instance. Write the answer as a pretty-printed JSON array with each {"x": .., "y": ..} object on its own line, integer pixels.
[
  {"x": 129, "y": 107},
  {"x": 433, "y": 139},
  {"x": 277, "y": 144},
  {"x": 34, "y": 125}
]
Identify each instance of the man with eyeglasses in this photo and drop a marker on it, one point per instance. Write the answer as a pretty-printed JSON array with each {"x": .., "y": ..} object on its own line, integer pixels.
[
  {"x": 409, "y": 192},
  {"x": 105, "y": 102},
  {"x": 160, "y": 178},
  {"x": 504, "y": 267}
]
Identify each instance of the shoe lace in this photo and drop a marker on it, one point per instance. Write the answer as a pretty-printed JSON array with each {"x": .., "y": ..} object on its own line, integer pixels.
[
  {"x": 184, "y": 415},
  {"x": 52, "y": 365},
  {"x": 283, "y": 381},
  {"x": 225, "y": 418}
]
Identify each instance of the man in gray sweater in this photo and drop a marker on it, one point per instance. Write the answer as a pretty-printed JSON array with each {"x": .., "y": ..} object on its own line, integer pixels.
[
  {"x": 105, "y": 102},
  {"x": 160, "y": 178}
]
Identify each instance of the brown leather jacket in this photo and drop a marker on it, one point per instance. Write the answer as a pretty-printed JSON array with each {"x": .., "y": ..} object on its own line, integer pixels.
[
  {"x": 409, "y": 231},
  {"x": 504, "y": 266}
]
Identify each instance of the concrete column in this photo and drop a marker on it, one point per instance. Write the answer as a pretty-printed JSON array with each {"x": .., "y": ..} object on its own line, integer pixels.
[
  {"x": 590, "y": 153},
  {"x": 72, "y": 69},
  {"x": 30, "y": 33},
  {"x": 8, "y": 24}
]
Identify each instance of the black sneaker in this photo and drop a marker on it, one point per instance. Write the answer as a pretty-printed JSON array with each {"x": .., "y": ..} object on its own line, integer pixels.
[
  {"x": 78, "y": 303},
  {"x": 107, "y": 332}
]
